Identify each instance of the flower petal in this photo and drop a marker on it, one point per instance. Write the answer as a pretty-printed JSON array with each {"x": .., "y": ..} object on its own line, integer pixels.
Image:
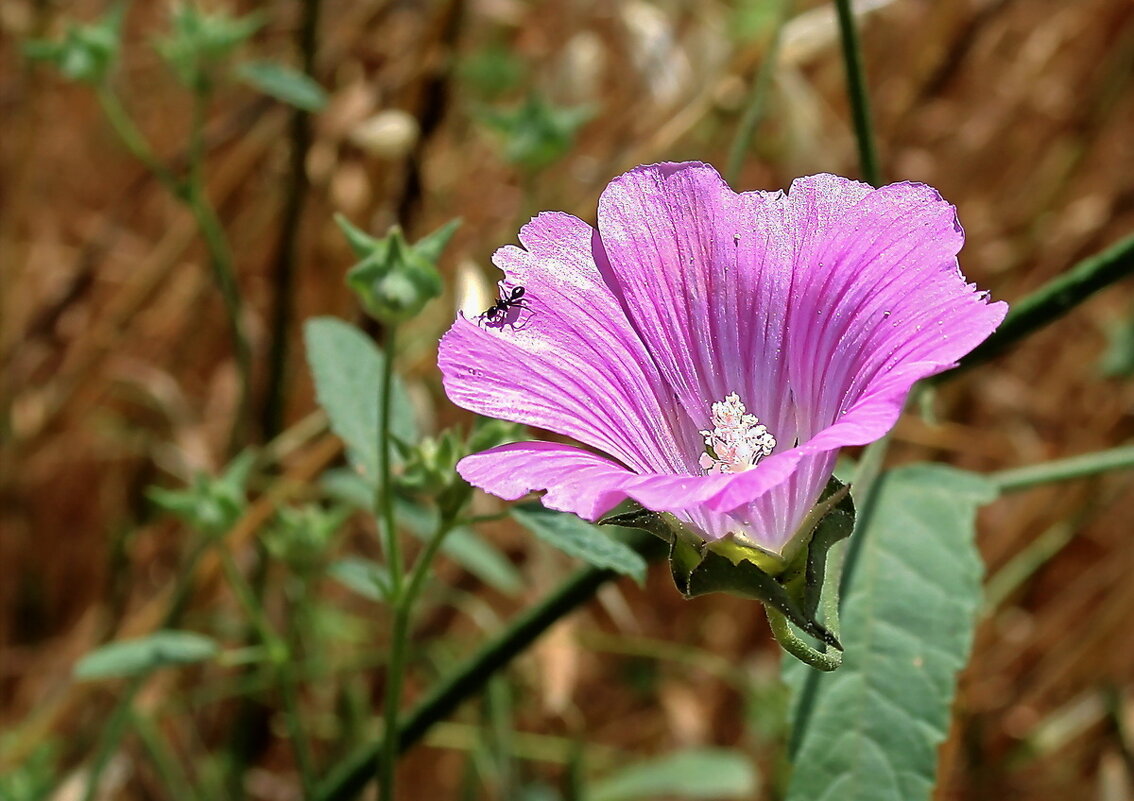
[
  {"x": 590, "y": 485},
  {"x": 568, "y": 362}
]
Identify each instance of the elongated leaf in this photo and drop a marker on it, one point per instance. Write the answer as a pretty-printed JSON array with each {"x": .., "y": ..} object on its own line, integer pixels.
[
  {"x": 579, "y": 538},
  {"x": 134, "y": 657},
  {"x": 870, "y": 730},
  {"x": 716, "y": 773},
  {"x": 347, "y": 369},
  {"x": 283, "y": 83},
  {"x": 369, "y": 579}
]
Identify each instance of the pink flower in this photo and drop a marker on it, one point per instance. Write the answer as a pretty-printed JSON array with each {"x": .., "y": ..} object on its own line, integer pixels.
[{"x": 712, "y": 350}]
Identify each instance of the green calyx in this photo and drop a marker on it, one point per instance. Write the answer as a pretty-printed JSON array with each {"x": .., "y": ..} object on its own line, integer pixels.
[
  {"x": 791, "y": 585},
  {"x": 395, "y": 279}
]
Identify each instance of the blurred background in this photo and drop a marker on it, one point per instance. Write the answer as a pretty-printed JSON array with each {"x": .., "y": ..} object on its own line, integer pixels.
[{"x": 119, "y": 372}]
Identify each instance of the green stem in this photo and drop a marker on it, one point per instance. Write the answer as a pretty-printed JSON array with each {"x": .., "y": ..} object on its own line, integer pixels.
[
  {"x": 116, "y": 726},
  {"x": 403, "y": 613},
  {"x": 280, "y": 660},
  {"x": 112, "y": 735},
  {"x": 856, "y": 93},
  {"x": 350, "y": 777},
  {"x": 134, "y": 142},
  {"x": 383, "y": 494},
  {"x": 825, "y": 661},
  {"x": 1088, "y": 464},
  {"x": 220, "y": 259},
  {"x": 754, "y": 109},
  {"x": 191, "y": 192},
  {"x": 176, "y": 782},
  {"x": 1055, "y": 299}
]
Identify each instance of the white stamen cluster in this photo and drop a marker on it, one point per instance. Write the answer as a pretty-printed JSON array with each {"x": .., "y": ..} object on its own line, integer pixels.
[{"x": 737, "y": 441}]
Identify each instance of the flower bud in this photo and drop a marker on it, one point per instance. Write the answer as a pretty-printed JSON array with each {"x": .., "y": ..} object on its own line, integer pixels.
[{"x": 394, "y": 279}]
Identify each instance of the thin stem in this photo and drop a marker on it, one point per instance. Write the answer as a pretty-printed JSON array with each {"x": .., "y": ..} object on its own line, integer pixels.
[
  {"x": 112, "y": 735},
  {"x": 350, "y": 777},
  {"x": 134, "y": 142},
  {"x": 287, "y": 259},
  {"x": 754, "y": 109},
  {"x": 176, "y": 782},
  {"x": 1054, "y": 299},
  {"x": 220, "y": 259},
  {"x": 116, "y": 726},
  {"x": 191, "y": 192},
  {"x": 280, "y": 660},
  {"x": 856, "y": 93},
  {"x": 384, "y": 511},
  {"x": 1087, "y": 464},
  {"x": 403, "y": 612}
]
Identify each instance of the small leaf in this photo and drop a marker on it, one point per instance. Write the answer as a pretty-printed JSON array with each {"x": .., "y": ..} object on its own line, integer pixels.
[
  {"x": 135, "y": 657},
  {"x": 577, "y": 537},
  {"x": 283, "y": 83},
  {"x": 347, "y": 369},
  {"x": 369, "y": 579},
  {"x": 872, "y": 727},
  {"x": 709, "y": 773}
]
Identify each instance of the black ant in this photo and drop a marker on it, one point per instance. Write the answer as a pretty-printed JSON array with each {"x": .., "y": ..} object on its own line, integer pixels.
[{"x": 514, "y": 300}]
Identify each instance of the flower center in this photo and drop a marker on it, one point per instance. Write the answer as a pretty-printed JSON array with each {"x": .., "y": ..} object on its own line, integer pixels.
[{"x": 737, "y": 441}]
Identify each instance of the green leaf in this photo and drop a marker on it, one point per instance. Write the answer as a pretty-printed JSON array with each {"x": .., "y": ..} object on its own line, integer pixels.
[
  {"x": 577, "y": 537},
  {"x": 369, "y": 579},
  {"x": 134, "y": 657},
  {"x": 870, "y": 730},
  {"x": 283, "y": 83},
  {"x": 715, "y": 773},
  {"x": 347, "y": 368}
]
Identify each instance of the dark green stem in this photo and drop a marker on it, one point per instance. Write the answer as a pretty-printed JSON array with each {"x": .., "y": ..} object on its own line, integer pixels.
[
  {"x": 1055, "y": 299},
  {"x": 856, "y": 93},
  {"x": 348, "y": 780},
  {"x": 288, "y": 251},
  {"x": 754, "y": 108}
]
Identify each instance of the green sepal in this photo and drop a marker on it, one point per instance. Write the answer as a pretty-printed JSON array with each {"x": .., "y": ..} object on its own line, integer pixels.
[
  {"x": 87, "y": 53},
  {"x": 791, "y": 587},
  {"x": 394, "y": 279}
]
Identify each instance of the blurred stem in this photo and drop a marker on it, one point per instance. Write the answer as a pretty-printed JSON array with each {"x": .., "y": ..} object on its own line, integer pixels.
[
  {"x": 112, "y": 735},
  {"x": 1088, "y": 464},
  {"x": 754, "y": 109},
  {"x": 1053, "y": 300},
  {"x": 134, "y": 142},
  {"x": 348, "y": 779},
  {"x": 295, "y": 194},
  {"x": 176, "y": 782},
  {"x": 116, "y": 725},
  {"x": 281, "y": 662},
  {"x": 191, "y": 192},
  {"x": 220, "y": 259},
  {"x": 856, "y": 93}
]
